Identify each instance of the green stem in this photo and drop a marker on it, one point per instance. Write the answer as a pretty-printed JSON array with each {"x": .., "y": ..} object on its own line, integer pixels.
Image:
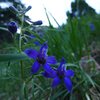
[
  {"x": 25, "y": 92},
  {"x": 22, "y": 71},
  {"x": 20, "y": 36},
  {"x": 20, "y": 48},
  {"x": 21, "y": 62}
]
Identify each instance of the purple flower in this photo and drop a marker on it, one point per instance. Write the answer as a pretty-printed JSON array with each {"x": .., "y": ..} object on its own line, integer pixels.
[
  {"x": 92, "y": 27},
  {"x": 12, "y": 27},
  {"x": 41, "y": 58},
  {"x": 60, "y": 74},
  {"x": 39, "y": 22},
  {"x": 31, "y": 36},
  {"x": 37, "y": 43}
]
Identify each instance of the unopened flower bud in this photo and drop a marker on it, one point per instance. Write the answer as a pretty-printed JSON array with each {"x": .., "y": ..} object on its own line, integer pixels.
[
  {"x": 13, "y": 9},
  {"x": 12, "y": 27},
  {"x": 39, "y": 22}
]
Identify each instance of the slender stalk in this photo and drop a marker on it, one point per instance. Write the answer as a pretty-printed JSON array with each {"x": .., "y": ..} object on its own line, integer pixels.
[
  {"x": 22, "y": 71},
  {"x": 21, "y": 62},
  {"x": 20, "y": 36},
  {"x": 20, "y": 47}
]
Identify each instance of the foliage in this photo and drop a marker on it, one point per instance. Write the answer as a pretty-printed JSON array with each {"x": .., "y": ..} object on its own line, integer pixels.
[
  {"x": 6, "y": 16},
  {"x": 80, "y": 8}
]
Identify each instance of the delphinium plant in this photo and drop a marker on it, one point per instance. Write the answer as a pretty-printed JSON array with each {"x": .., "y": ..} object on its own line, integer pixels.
[{"x": 34, "y": 75}]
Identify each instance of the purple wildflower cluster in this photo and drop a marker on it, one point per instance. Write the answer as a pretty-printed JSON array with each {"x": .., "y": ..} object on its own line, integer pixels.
[{"x": 43, "y": 60}]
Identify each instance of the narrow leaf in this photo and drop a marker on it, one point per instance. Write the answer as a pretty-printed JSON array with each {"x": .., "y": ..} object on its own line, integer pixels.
[{"x": 11, "y": 57}]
